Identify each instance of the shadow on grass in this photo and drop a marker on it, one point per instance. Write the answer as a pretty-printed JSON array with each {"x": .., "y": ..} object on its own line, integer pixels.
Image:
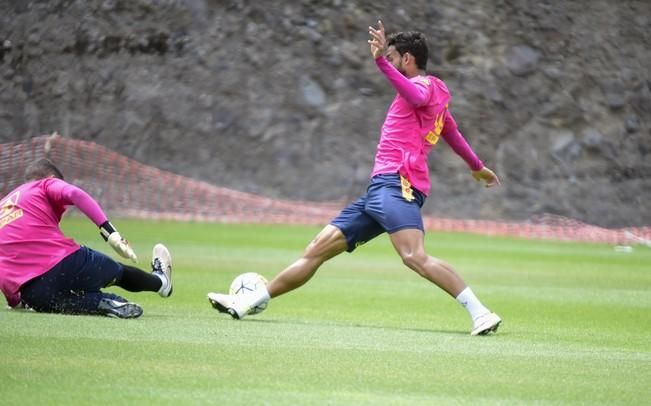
[{"x": 354, "y": 325}]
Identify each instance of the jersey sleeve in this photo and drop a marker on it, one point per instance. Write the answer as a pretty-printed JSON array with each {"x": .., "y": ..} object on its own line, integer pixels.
[
  {"x": 416, "y": 93},
  {"x": 458, "y": 143},
  {"x": 68, "y": 194}
]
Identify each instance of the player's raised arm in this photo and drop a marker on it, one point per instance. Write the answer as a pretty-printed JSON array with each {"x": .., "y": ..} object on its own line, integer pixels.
[{"x": 386, "y": 58}]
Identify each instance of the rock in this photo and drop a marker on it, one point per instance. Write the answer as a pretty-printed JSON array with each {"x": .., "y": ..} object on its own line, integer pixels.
[
  {"x": 108, "y": 5},
  {"x": 592, "y": 138},
  {"x": 615, "y": 100},
  {"x": 311, "y": 91},
  {"x": 564, "y": 144},
  {"x": 311, "y": 34},
  {"x": 552, "y": 72},
  {"x": 632, "y": 124},
  {"x": 564, "y": 151},
  {"x": 521, "y": 60}
]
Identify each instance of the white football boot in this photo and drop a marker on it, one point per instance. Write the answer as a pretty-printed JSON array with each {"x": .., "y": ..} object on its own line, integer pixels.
[
  {"x": 485, "y": 324},
  {"x": 161, "y": 265},
  {"x": 238, "y": 306},
  {"x": 230, "y": 304}
]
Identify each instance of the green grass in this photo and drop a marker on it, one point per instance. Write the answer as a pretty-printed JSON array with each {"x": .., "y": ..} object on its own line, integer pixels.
[{"x": 364, "y": 331}]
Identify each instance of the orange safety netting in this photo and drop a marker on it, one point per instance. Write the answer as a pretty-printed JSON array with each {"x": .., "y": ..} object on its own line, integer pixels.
[{"x": 128, "y": 188}]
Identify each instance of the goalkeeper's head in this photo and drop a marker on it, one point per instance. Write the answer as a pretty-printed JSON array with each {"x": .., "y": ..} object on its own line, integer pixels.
[{"x": 40, "y": 169}]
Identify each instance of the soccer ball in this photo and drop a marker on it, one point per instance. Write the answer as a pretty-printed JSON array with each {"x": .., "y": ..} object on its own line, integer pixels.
[{"x": 246, "y": 284}]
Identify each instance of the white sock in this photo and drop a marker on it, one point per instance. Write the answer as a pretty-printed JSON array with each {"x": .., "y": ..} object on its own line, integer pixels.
[
  {"x": 474, "y": 307},
  {"x": 164, "y": 281},
  {"x": 260, "y": 296}
]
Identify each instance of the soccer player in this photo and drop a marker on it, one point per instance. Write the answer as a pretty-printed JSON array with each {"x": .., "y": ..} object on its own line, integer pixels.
[
  {"x": 417, "y": 118},
  {"x": 43, "y": 270}
]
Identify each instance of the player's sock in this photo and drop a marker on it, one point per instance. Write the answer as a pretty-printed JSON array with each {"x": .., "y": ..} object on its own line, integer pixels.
[
  {"x": 474, "y": 307},
  {"x": 136, "y": 280},
  {"x": 261, "y": 295}
]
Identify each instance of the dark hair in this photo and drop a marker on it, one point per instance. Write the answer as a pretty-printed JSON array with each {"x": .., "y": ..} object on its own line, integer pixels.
[
  {"x": 41, "y": 169},
  {"x": 413, "y": 42}
]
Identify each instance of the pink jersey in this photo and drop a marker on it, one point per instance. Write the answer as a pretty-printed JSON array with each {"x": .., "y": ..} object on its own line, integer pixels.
[
  {"x": 417, "y": 118},
  {"x": 31, "y": 242}
]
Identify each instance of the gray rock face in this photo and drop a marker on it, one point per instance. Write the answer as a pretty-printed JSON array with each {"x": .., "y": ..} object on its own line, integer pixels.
[
  {"x": 521, "y": 60},
  {"x": 282, "y": 98}
]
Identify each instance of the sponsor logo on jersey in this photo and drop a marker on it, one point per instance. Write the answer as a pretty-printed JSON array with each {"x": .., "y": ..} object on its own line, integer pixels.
[
  {"x": 9, "y": 211},
  {"x": 435, "y": 133}
]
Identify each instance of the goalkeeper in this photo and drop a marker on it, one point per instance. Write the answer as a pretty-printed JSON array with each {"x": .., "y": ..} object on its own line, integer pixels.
[{"x": 43, "y": 270}]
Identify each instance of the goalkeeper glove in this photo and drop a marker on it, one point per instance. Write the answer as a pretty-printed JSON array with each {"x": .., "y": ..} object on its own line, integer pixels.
[{"x": 115, "y": 240}]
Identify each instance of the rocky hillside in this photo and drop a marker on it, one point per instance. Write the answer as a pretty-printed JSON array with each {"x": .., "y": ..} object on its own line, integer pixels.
[{"x": 282, "y": 98}]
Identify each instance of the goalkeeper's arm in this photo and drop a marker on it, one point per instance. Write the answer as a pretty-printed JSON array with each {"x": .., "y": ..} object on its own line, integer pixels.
[{"x": 71, "y": 194}]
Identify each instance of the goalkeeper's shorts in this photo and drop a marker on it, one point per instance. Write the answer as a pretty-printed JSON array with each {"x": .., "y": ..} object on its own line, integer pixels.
[{"x": 73, "y": 285}]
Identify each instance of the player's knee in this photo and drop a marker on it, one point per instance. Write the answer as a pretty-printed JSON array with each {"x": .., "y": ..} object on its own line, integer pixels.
[
  {"x": 320, "y": 253},
  {"x": 413, "y": 260},
  {"x": 328, "y": 243}
]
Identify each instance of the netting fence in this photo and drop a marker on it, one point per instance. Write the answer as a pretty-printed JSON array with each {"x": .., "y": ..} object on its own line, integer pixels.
[{"x": 127, "y": 188}]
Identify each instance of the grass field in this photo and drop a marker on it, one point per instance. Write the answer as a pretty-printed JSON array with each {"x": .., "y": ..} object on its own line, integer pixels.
[{"x": 364, "y": 331}]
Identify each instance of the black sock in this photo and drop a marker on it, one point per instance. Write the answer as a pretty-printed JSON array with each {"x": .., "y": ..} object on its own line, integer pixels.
[{"x": 137, "y": 280}]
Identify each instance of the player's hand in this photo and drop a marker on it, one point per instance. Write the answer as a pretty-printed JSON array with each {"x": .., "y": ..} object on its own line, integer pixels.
[
  {"x": 486, "y": 175},
  {"x": 122, "y": 247},
  {"x": 115, "y": 240},
  {"x": 378, "y": 40}
]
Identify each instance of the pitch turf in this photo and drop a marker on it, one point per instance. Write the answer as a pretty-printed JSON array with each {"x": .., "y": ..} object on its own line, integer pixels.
[{"x": 364, "y": 331}]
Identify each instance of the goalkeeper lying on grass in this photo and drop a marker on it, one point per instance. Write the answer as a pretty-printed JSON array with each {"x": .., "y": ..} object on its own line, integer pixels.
[{"x": 42, "y": 269}]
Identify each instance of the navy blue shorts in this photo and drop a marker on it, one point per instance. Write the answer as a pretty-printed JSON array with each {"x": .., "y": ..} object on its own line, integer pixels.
[
  {"x": 389, "y": 205},
  {"x": 73, "y": 285}
]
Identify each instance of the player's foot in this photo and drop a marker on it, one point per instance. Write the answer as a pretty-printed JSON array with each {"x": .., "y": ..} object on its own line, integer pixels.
[
  {"x": 485, "y": 324},
  {"x": 161, "y": 265},
  {"x": 230, "y": 304},
  {"x": 115, "y": 306}
]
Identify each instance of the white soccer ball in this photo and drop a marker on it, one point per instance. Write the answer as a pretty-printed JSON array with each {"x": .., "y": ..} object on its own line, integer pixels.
[{"x": 247, "y": 284}]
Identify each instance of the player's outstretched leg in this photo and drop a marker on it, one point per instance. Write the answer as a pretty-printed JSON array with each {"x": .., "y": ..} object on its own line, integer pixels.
[
  {"x": 161, "y": 265},
  {"x": 409, "y": 245},
  {"x": 327, "y": 244}
]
